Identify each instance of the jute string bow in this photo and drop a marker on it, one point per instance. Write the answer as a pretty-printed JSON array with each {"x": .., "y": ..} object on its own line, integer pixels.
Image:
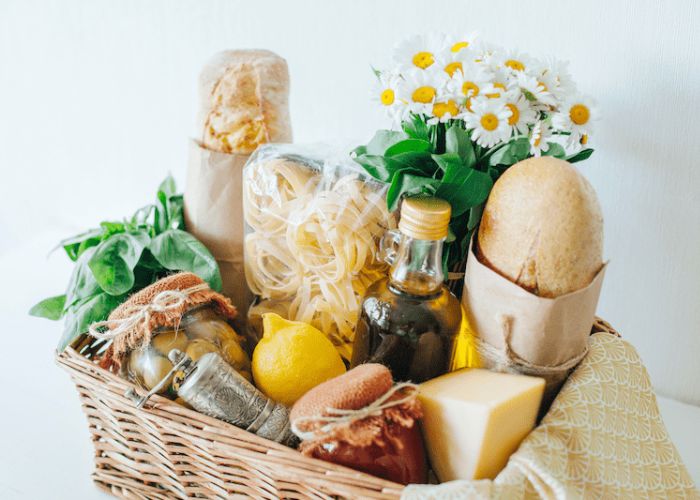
[
  {"x": 140, "y": 314},
  {"x": 336, "y": 418}
]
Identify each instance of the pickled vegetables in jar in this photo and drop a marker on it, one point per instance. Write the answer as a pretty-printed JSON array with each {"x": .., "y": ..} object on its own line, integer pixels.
[{"x": 200, "y": 331}]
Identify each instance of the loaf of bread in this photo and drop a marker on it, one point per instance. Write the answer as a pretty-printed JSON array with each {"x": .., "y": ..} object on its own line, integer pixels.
[
  {"x": 244, "y": 101},
  {"x": 542, "y": 228}
]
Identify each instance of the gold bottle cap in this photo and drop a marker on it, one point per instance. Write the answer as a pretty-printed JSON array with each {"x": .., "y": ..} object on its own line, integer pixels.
[{"x": 425, "y": 218}]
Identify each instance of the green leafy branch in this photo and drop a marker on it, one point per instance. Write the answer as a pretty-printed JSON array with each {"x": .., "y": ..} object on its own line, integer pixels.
[
  {"x": 442, "y": 160},
  {"x": 120, "y": 258}
]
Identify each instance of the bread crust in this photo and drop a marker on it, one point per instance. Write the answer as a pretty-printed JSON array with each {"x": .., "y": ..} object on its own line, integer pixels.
[
  {"x": 542, "y": 228},
  {"x": 244, "y": 101}
]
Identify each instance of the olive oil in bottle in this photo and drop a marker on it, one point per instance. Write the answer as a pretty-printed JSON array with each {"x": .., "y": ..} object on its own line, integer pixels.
[{"x": 410, "y": 321}]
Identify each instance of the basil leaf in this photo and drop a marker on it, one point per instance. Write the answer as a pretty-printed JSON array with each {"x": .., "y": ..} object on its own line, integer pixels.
[
  {"x": 511, "y": 153},
  {"x": 416, "y": 128},
  {"x": 405, "y": 184},
  {"x": 82, "y": 283},
  {"x": 421, "y": 161},
  {"x": 81, "y": 315},
  {"x": 76, "y": 245},
  {"x": 467, "y": 189},
  {"x": 180, "y": 251},
  {"x": 168, "y": 186},
  {"x": 114, "y": 260},
  {"x": 580, "y": 156},
  {"x": 51, "y": 308},
  {"x": 475, "y": 214},
  {"x": 556, "y": 150},
  {"x": 408, "y": 145},
  {"x": 449, "y": 162},
  {"x": 176, "y": 212},
  {"x": 382, "y": 140},
  {"x": 378, "y": 167},
  {"x": 457, "y": 140}
]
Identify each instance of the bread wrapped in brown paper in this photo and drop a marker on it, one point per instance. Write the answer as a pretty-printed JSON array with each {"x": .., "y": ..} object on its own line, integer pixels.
[{"x": 243, "y": 103}]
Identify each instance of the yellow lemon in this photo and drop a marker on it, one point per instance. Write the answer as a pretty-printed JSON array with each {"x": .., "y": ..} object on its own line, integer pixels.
[{"x": 291, "y": 358}]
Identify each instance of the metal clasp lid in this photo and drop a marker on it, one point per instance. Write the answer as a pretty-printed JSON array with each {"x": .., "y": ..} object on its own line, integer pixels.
[{"x": 181, "y": 362}]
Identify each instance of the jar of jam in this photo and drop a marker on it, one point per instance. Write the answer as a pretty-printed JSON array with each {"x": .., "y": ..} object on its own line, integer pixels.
[{"x": 363, "y": 421}]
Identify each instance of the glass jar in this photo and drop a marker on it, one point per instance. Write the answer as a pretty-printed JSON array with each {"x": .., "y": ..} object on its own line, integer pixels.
[{"x": 201, "y": 330}]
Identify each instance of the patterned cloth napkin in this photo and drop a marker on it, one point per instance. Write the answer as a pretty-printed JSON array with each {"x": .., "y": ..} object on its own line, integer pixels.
[{"x": 603, "y": 437}]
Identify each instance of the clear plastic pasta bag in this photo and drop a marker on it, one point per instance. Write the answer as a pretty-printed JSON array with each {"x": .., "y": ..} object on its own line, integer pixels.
[{"x": 313, "y": 225}]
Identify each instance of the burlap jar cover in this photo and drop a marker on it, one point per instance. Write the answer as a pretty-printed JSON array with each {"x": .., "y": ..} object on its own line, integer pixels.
[{"x": 162, "y": 304}]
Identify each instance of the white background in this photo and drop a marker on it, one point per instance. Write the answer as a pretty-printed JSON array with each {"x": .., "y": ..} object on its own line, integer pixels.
[{"x": 98, "y": 98}]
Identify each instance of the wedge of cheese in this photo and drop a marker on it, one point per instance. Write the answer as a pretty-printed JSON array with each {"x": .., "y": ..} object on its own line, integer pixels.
[{"x": 475, "y": 419}]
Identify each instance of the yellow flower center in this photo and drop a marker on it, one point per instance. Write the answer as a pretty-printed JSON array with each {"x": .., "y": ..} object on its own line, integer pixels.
[
  {"x": 468, "y": 104},
  {"x": 387, "y": 97},
  {"x": 452, "y": 67},
  {"x": 542, "y": 86},
  {"x": 459, "y": 46},
  {"x": 515, "y": 65},
  {"x": 514, "y": 114},
  {"x": 584, "y": 139},
  {"x": 537, "y": 141},
  {"x": 423, "y": 59},
  {"x": 440, "y": 108},
  {"x": 423, "y": 94},
  {"x": 470, "y": 89},
  {"x": 499, "y": 85},
  {"x": 496, "y": 95},
  {"x": 489, "y": 121},
  {"x": 579, "y": 114}
]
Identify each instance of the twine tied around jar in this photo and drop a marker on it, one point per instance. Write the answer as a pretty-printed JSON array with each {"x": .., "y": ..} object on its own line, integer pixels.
[
  {"x": 164, "y": 301},
  {"x": 336, "y": 417}
]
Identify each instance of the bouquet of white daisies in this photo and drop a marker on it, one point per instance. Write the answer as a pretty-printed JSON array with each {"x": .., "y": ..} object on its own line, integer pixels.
[{"x": 464, "y": 111}]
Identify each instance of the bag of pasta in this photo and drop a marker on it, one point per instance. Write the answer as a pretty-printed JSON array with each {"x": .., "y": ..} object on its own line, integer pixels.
[{"x": 313, "y": 224}]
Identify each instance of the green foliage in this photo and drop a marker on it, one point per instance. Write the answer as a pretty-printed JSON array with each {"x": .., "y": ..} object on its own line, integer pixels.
[
  {"x": 441, "y": 160},
  {"x": 120, "y": 258}
]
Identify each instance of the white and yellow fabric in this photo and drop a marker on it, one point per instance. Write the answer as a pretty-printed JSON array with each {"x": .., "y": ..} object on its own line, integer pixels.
[{"x": 602, "y": 438}]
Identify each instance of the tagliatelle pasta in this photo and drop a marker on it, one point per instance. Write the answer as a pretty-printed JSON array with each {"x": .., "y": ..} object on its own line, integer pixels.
[{"x": 311, "y": 250}]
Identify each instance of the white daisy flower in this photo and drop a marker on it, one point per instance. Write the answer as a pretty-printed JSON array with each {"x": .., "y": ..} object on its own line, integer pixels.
[
  {"x": 471, "y": 82},
  {"x": 576, "y": 115},
  {"x": 534, "y": 90},
  {"x": 419, "y": 52},
  {"x": 386, "y": 91},
  {"x": 444, "y": 111},
  {"x": 522, "y": 115},
  {"x": 555, "y": 75},
  {"x": 460, "y": 43},
  {"x": 421, "y": 89},
  {"x": 539, "y": 138},
  {"x": 489, "y": 121},
  {"x": 515, "y": 62},
  {"x": 501, "y": 82}
]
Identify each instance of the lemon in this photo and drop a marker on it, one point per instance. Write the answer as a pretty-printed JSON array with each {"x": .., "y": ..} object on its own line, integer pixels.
[{"x": 291, "y": 358}]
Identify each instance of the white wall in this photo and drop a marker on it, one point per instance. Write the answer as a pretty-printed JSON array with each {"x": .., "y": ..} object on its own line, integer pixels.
[{"x": 97, "y": 100}]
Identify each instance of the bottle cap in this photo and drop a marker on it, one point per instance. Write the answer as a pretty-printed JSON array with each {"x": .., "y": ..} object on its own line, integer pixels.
[{"x": 425, "y": 218}]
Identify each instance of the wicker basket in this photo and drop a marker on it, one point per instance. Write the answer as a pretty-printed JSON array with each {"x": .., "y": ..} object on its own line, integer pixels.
[{"x": 165, "y": 450}]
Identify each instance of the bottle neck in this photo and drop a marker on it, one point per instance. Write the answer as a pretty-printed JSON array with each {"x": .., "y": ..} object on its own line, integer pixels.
[{"x": 417, "y": 269}]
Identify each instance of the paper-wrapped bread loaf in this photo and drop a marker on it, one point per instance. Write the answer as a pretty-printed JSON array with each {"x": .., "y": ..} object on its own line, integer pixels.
[
  {"x": 542, "y": 228},
  {"x": 244, "y": 101}
]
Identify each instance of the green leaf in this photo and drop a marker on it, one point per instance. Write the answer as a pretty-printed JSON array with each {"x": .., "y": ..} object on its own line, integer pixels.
[
  {"x": 81, "y": 315},
  {"x": 168, "y": 186},
  {"x": 408, "y": 146},
  {"x": 178, "y": 250},
  {"x": 466, "y": 189},
  {"x": 556, "y": 150},
  {"x": 379, "y": 167},
  {"x": 77, "y": 244},
  {"x": 176, "y": 212},
  {"x": 82, "y": 283},
  {"x": 416, "y": 128},
  {"x": 114, "y": 260},
  {"x": 141, "y": 216},
  {"x": 449, "y": 162},
  {"x": 511, "y": 153},
  {"x": 475, "y": 214},
  {"x": 458, "y": 141},
  {"x": 580, "y": 156},
  {"x": 420, "y": 161},
  {"x": 382, "y": 140},
  {"x": 407, "y": 184},
  {"x": 51, "y": 308}
]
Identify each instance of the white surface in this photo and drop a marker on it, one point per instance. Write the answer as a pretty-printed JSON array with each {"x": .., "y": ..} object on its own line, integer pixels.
[
  {"x": 97, "y": 99},
  {"x": 45, "y": 447}
]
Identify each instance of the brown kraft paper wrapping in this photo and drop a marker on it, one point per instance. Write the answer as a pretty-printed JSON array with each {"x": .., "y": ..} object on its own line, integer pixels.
[
  {"x": 214, "y": 214},
  {"x": 519, "y": 332}
]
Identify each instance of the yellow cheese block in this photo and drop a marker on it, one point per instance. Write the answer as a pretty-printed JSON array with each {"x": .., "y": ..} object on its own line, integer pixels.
[{"x": 475, "y": 419}]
